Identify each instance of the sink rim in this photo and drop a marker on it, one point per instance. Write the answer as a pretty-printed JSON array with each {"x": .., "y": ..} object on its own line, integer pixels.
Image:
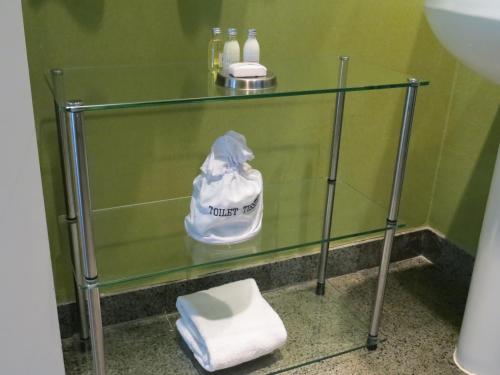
[{"x": 483, "y": 9}]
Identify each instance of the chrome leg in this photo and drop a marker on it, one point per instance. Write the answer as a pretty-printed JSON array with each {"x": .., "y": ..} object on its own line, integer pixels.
[
  {"x": 332, "y": 178},
  {"x": 392, "y": 219},
  {"x": 97, "y": 337},
  {"x": 57, "y": 76},
  {"x": 75, "y": 123},
  {"x": 81, "y": 302}
]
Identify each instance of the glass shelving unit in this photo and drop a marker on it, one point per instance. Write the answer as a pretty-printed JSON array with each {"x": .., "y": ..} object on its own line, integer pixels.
[{"x": 102, "y": 237}]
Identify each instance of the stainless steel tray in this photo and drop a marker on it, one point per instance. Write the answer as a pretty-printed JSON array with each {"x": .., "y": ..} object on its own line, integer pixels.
[{"x": 248, "y": 83}]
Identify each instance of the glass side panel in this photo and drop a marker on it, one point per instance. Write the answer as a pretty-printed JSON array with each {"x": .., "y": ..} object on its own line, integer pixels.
[
  {"x": 140, "y": 86},
  {"x": 292, "y": 219}
]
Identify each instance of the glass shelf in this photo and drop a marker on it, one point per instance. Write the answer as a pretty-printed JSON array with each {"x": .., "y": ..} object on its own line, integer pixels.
[
  {"x": 293, "y": 217},
  {"x": 116, "y": 87},
  {"x": 318, "y": 328}
]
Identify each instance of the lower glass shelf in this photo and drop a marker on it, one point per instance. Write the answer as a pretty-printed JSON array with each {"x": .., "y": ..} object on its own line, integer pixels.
[
  {"x": 317, "y": 327},
  {"x": 148, "y": 242}
]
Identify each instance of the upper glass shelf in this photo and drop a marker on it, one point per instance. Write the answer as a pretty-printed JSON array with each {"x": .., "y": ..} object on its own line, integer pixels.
[{"x": 115, "y": 87}]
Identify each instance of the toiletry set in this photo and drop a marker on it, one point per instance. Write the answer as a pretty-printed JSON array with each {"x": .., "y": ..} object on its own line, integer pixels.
[{"x": 225, "y": 59}]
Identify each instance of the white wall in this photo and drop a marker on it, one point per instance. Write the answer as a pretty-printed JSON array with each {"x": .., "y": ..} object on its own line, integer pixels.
[{"x": 29, "y": 332}]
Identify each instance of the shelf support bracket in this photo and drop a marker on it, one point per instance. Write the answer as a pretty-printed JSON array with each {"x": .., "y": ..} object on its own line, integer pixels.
[
  {"x": 81, "y": 187},
  {"x": 58, "y": 86},
  {"x": 332, "y": 178},
  {"x": 392, "y": 219}
]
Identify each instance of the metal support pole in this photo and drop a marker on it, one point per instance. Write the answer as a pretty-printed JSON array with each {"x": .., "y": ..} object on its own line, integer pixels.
[
  {"x": 57, "y": 76},
  {"x": 332, "y": 178},
  {"x": 75, "y": 123},
  {"x": 392, "y": 219}
]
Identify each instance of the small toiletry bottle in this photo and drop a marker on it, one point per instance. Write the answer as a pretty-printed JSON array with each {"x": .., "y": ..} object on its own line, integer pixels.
[
  {"x": 215, "y": 51},
  {"x": 251, "y": 50},
  {"x": 231, "y": 52}
]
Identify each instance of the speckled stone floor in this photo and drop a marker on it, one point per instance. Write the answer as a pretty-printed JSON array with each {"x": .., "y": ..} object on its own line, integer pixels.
[{"x": 421, "y": 320}]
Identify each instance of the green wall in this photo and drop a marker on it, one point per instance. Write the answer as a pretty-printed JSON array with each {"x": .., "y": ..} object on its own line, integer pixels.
[
  {"x": 145, "y": 156},
  {"x": 467, "y": 159}
]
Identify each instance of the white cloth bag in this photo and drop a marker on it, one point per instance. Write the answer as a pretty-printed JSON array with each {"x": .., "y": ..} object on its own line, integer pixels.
[{"x": 227, "y": 201}]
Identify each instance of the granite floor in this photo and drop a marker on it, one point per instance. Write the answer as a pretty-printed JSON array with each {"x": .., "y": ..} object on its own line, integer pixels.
[{"x": 422, "y": 315}]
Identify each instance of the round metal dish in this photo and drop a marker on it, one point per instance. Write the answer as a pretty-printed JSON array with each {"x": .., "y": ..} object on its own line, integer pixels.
[{"x": 248, "y": 83}]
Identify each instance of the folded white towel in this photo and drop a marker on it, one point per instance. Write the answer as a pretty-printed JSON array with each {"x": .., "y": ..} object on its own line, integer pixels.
[{"x": 229, "y": 325}]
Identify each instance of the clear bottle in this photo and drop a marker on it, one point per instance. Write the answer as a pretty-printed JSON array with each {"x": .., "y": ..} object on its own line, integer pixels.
[
  {"x": 231, "y": 52},
  {"x": 215, "y": 51},
  {"x": 251, "y": 49}
]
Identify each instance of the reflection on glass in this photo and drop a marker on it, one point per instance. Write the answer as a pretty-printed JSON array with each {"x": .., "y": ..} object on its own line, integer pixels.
[{"x": 206, "y": 253}]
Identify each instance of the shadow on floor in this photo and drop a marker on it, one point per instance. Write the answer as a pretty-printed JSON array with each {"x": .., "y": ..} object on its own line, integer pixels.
[{"x": 443, "y": 297}]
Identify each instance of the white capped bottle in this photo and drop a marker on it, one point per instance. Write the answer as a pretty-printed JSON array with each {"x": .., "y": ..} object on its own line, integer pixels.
[
  {"x": 251, "y": 49},
  {"x": 215, "y": 51},
  {"x": 231, "y": 52}
]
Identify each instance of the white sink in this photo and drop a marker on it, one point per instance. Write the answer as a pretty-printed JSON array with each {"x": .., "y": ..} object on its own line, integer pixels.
[{"x": 470, "y": 29}]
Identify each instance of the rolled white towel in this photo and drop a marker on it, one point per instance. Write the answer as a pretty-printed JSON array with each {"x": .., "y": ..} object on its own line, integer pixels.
[{"x": 229, "y": 325}]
